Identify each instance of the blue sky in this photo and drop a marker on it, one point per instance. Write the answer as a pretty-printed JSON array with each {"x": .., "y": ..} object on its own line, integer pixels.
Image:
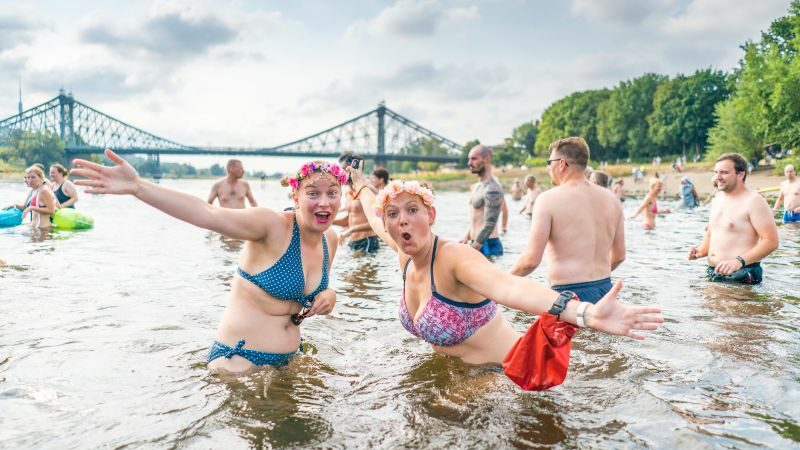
[{"x": 262, "y": 73}]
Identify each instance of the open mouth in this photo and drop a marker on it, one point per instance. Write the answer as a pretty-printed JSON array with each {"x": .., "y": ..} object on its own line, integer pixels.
[
  {"x": 406, "y": 237},
  {"x": 322, "y": 217}
]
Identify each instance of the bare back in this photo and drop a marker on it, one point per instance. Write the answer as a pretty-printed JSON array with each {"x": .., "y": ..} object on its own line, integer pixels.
[{"x": 584, "y": 221}]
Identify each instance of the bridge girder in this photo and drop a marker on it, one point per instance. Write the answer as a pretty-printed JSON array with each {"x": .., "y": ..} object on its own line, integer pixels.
[{"x": 380, "y": 134}]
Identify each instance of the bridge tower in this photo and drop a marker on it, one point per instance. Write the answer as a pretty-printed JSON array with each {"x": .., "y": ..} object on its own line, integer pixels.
[{"x": 380, "y": 158}]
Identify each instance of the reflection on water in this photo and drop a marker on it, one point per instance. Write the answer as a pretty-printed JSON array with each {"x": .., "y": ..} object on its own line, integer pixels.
[{"x": 103, "y": 336}]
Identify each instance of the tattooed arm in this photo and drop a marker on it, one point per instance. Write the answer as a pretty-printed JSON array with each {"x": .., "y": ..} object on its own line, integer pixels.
[{"x": 492, "y": 206}]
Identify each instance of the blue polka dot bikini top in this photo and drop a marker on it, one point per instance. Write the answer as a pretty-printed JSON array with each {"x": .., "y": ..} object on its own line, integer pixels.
[{"x": 285, "y": 279}]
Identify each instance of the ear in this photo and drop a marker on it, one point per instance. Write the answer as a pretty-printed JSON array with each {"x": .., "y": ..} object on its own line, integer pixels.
[
  {"x": 431, "y": 215},
  {"x": 295, "y": 200}
]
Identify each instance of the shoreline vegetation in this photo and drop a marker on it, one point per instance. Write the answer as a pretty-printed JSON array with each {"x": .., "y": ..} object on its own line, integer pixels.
[{"x": 461, "y": 179}]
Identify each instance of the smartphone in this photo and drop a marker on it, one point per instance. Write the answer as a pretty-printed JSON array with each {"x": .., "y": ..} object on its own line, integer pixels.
[{"x": 355, "y": 164}]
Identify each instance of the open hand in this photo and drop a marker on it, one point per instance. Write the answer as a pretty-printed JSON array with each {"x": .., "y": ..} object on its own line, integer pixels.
[
  {"x": 612, "y": 317},
  {"x": 119, "y": 179}
]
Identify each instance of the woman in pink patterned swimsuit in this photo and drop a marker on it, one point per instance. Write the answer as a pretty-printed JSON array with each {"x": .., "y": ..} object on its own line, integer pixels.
[{"x": 436, "y": 271}]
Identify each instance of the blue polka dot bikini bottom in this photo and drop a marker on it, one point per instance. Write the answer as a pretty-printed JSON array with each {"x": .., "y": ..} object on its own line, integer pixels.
[{"x": 219, "y": 349}]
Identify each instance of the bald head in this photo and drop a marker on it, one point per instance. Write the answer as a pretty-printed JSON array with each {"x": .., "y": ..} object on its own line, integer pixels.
[
  {"x": 483, "y": 151},
  {"x": 479, "y": 160}
]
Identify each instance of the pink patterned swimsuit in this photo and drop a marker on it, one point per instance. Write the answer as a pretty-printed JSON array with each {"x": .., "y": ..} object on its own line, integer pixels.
[{"x": 445, "y": 322}]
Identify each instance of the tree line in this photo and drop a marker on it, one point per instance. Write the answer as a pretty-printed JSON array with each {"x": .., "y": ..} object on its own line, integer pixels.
[{"x": 707, "y": 113}]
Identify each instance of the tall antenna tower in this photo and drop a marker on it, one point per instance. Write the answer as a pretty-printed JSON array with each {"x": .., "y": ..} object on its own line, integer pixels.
[{"x": 19, "y": 105}]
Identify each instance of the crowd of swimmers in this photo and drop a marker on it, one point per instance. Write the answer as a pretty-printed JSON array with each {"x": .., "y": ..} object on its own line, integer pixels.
[
  {"x": 451, "y": 289},
  {"x": 45, "y": 196}
]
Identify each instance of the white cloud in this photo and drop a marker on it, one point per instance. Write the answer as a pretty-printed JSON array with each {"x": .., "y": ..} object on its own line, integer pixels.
[
  {"x": 413, "y": 18},
  {"x": 614, "y": 12}
]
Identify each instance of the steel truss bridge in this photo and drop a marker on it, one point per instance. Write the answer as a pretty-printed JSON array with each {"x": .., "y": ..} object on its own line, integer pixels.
[{"x": 380, "y": 134}]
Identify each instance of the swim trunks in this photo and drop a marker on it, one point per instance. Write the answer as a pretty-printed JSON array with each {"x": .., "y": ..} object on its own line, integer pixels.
[
  {"x": 492, "y": 247},
  {"x": 589, "y": 291},
  {"x": 749, "y": 274},
  {"x": 791, "y": 217},
  {"x": 369, "y": 244}
]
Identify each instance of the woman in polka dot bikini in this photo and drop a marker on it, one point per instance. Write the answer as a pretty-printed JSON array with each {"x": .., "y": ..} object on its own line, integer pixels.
[{"x": 260, "y": 324}]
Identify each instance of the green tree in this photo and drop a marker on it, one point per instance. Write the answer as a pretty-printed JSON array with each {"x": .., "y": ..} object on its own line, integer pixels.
[
  {"x": 684, "y": 110},
  {"x": 35, "y": 146},
  {"x": 574, "y": 115},
  {"x": 623, "y": 119},
  {"x": 217, "y": 170},
  {"x": 765, "y": 106}
]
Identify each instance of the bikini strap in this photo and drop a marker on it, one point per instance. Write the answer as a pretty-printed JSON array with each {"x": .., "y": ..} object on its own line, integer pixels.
[
  {"x": 325, "y": 257},
  {"x": 433, "y": 258},
  {"x": 405, "y": 269}
]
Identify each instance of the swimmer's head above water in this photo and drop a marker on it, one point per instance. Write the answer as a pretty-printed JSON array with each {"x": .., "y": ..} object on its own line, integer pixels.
[
  {"x": 317, "y": 193},
  {"x": 408, "y": 214}
]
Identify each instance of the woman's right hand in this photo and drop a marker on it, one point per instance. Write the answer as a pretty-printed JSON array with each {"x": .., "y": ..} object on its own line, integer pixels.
[
  {"x": 119, "y": 179},
  {"x": 357, "y": 176}
]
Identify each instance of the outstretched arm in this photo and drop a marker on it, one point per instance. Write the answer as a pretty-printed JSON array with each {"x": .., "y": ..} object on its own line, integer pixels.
[
  {"x": 504, "y": 217},
  {"x": 249, "y": 224},
  {"x": 523, "y": 294}
]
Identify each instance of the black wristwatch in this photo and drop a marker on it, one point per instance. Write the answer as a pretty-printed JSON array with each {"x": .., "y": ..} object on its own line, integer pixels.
[
  {"x": 741, "y": 260},
  {"x": 561, "y": 303}
]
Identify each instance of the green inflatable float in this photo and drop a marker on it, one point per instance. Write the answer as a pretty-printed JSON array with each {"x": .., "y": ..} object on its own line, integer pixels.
[{"x": 70, "y": 219}]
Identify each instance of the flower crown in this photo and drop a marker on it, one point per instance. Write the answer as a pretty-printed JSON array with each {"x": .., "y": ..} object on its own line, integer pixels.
[
  {"x": 397, "y": 187},
  {"x": 308, "y": 168}
]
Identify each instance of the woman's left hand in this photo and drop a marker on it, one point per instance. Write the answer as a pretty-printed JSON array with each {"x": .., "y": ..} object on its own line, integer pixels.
[
  {"x": 323, "y": 303},
  {"x": 612, "y": 317}
]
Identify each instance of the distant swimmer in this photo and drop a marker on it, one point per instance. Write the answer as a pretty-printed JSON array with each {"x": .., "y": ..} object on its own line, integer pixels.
[
  {"x": 790, "y": 196},
  {"x": 741, "y": 231},
  {"x": 65, "y": 191},
  {"x": 600, "y": 178},
  {"x": 650, "y": 205},
  {"x": 619, "y": 189},
  {"x": 579, "y": 223},
  {"x": 232, "y": 190},
  {"x": 486, "y": 203},
  {"x": 516, "y": 190},
  {"x": 689, "y": 197},
  {"x": 40, "y": 203},
  {"x": 532, "y": 192}
]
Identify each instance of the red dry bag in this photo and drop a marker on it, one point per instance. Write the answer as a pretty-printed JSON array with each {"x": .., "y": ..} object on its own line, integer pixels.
[{"x": 540, "y": 358}]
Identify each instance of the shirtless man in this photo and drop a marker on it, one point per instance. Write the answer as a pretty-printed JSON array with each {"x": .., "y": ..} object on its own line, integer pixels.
[
  {"x": 790, "y": 196},
  {"x": 533, "y": 191},
  {"x": 741, "y": 231},
  {"x": 355, "y": 223},
  {"x": 580, "y": 223},
  {"x": 619, "y": 189},
  {"x": 232, "y": 189},
  {"x": 486, "y": 202}
]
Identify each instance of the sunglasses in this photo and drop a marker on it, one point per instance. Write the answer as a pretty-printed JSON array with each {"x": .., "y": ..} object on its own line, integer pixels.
[
  {"x": 297, "y": 319},
  {"x": 551, "y": 161}
]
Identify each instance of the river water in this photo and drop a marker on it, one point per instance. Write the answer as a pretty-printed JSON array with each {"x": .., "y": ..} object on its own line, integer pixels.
[{"x": 104, "y": 333}]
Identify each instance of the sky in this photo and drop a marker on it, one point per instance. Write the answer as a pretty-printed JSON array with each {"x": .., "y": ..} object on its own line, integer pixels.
[{"x": 263, "y": 73}]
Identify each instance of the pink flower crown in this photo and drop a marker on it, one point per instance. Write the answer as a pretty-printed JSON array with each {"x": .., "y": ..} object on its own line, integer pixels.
[
  {"x": 308, "y": 168},
  {"x": 397, "y": 187}
]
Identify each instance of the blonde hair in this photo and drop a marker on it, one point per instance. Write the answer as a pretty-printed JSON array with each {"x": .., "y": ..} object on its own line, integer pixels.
[
  {"x": 574, "y": 150},
  {"x": 36, "y": 171}
]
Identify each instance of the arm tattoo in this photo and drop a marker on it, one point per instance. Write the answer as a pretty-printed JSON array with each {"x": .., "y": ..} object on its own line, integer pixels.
[{"x": 492, "y": 206}]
